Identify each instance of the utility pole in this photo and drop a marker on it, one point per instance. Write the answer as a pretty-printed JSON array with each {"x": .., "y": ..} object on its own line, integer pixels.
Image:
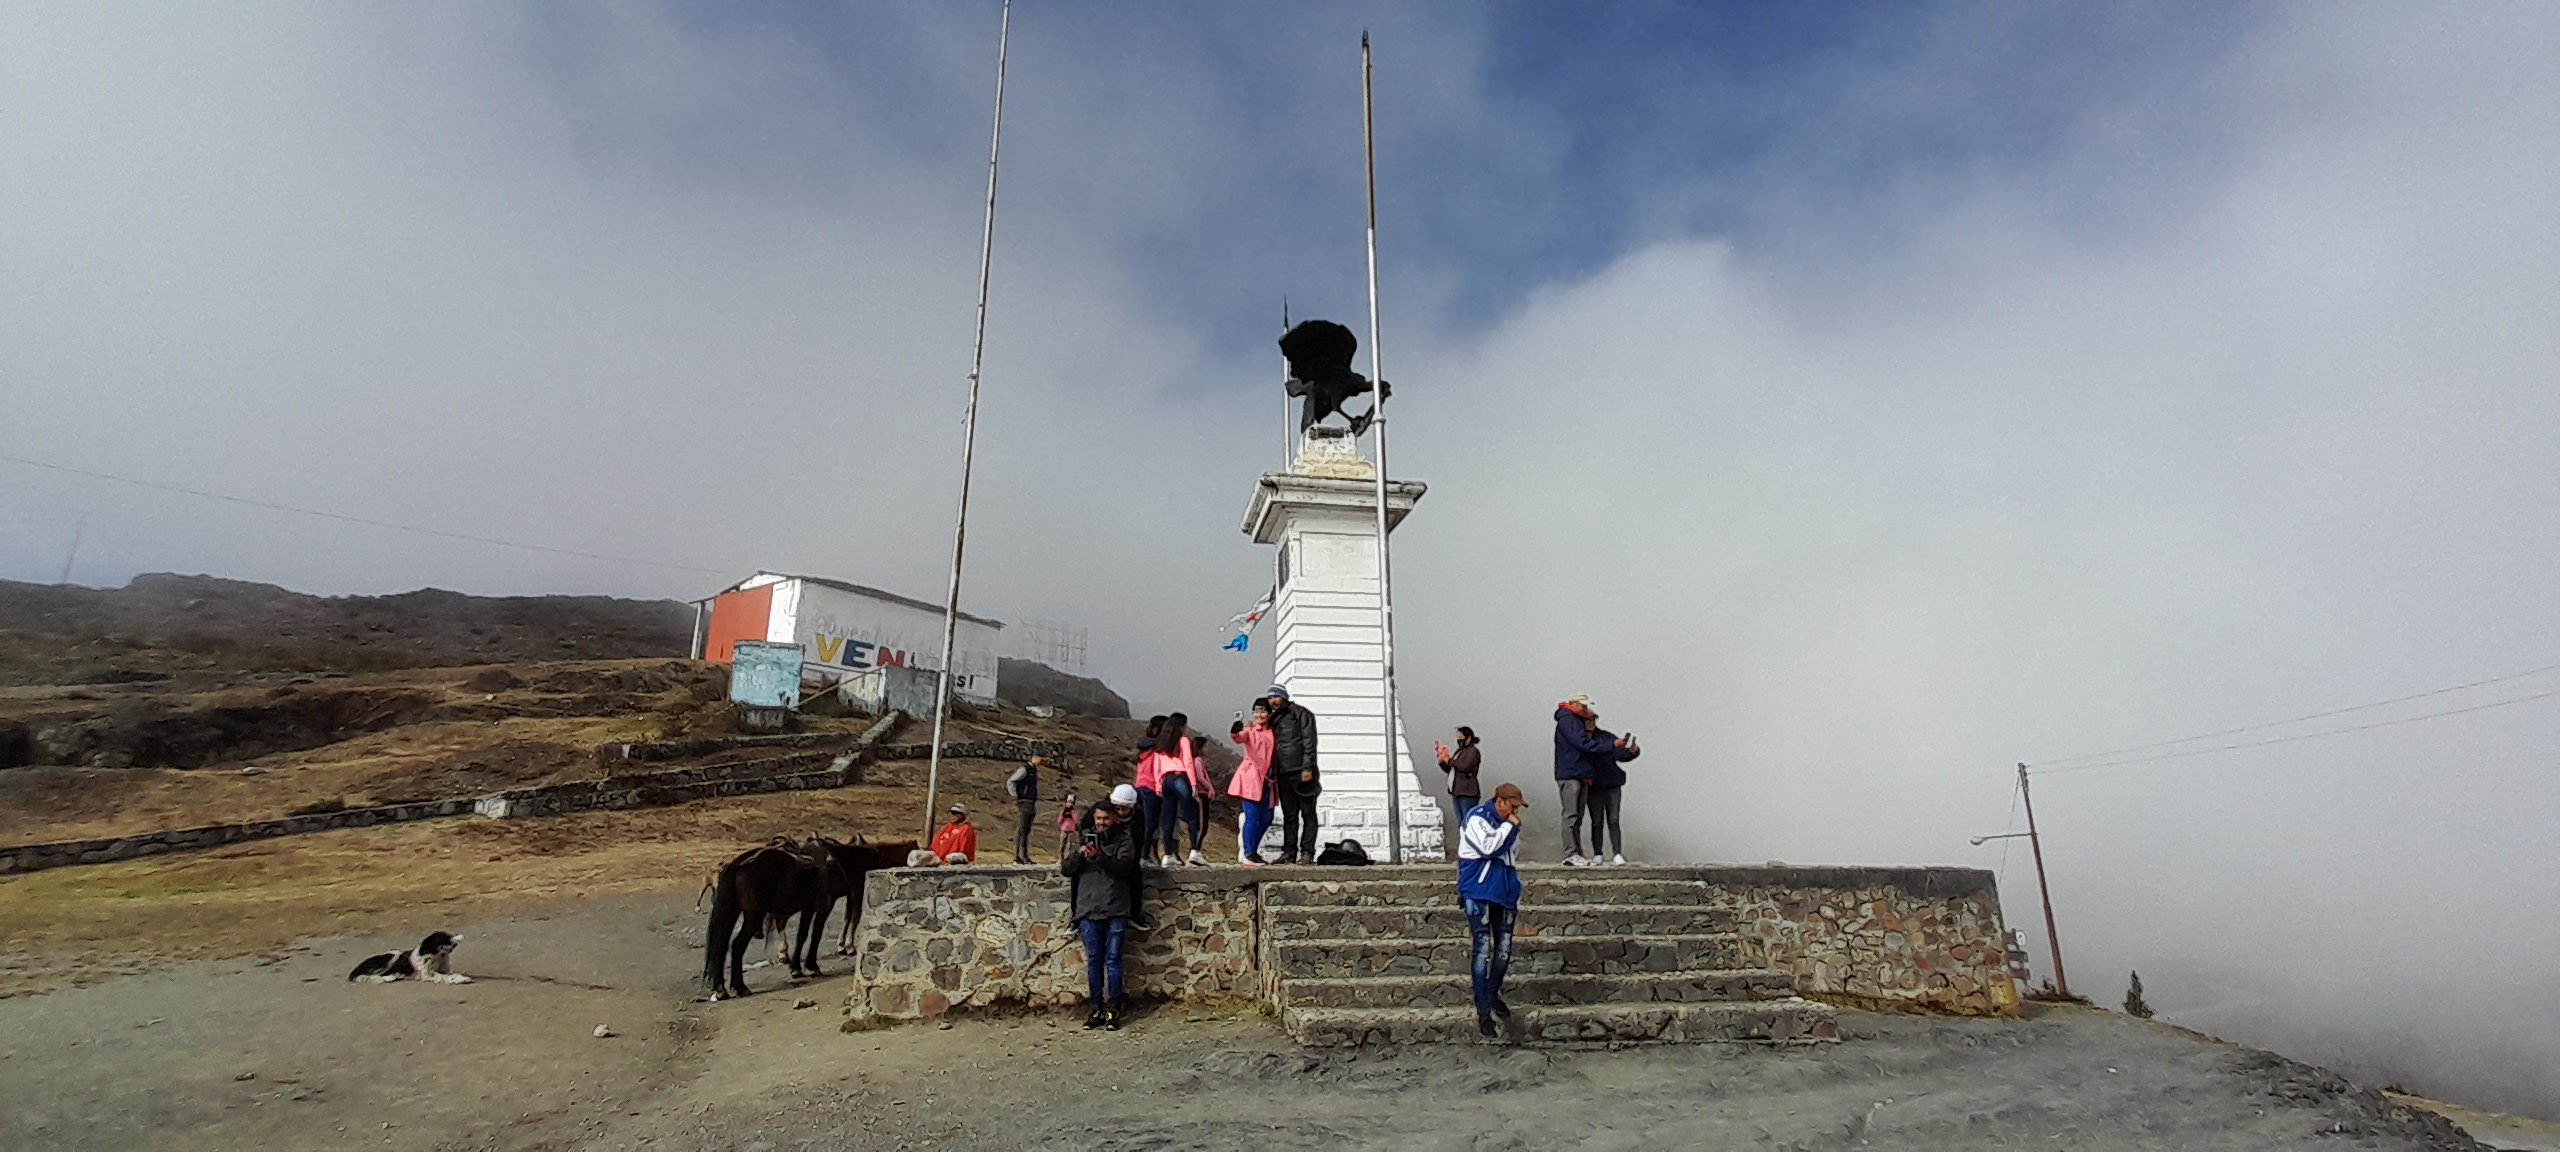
[
  {"x": 968, "y": 437},
  {"x": 2035, "y": 843}
]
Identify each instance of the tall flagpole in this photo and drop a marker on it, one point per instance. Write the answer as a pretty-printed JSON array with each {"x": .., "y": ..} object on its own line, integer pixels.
[
  {"x": 1378, "y": 419},
  {"x": 969, "y": 437}
]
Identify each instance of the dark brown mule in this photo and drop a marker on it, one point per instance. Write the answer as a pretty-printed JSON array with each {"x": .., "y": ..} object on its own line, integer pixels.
[
  {"x": 755, "y": 892},
  {"x": 854, "y": 862}
]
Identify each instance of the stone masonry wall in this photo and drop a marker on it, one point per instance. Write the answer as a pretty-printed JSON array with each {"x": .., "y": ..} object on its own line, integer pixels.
[
  {"x": 937, "y": 940},
  {"x": 1875, "y": 937}
]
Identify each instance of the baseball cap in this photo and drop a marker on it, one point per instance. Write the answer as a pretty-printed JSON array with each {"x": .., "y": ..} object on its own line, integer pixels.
[
  {"x": 960, "y": 808},
  {"x": 1510, "y": 792}
]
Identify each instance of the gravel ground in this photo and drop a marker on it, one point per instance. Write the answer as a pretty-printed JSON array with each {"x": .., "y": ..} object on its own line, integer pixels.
[{"x": 284, "y": 1053}]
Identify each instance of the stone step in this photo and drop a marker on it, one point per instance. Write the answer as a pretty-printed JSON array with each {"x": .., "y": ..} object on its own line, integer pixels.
[
  {"x": 1764, "y": 1021},
  {"x": 1530, "y": 955},
  {"x": 1312, "y": 921},
  {"x": 1730, "y": 984},
  {"x": 1545, "y": 887}
]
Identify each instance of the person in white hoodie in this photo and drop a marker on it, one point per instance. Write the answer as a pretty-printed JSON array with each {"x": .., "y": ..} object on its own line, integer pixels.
[{"x": 1489, "y": 886}]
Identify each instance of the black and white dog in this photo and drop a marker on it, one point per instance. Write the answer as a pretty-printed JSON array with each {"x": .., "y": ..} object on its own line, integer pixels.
[{"x": 431, "y": 961}]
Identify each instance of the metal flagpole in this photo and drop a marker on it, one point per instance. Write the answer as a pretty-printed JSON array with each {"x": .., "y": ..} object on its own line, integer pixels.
[
  {"x": 1288, "y": 431},
  {"x": 1378, "y": 418},
  {"x": 969, "y": 437}
]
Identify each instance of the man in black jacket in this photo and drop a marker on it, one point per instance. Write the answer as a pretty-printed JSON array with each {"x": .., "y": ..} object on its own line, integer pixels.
[
  {"x": 1294, "y": 775},
  {"x": 1103, "y": 870},
  {"x": 1024, "y": 787}
]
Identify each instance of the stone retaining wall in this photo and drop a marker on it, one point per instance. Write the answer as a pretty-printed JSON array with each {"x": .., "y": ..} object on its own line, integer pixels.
[
  {"x": 1876, "y": 937},
  {"x": 790, "y": 773},
  {"x": 34, "y": 857},
  {"x": 938, "y": 940}
]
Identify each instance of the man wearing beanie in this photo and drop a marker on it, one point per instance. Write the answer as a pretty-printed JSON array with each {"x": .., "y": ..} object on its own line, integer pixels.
[{"x": 1294, "y": 775}]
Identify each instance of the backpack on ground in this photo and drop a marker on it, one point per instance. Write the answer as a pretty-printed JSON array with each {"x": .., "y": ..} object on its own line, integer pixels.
[{"x": 1343, "y": 852}]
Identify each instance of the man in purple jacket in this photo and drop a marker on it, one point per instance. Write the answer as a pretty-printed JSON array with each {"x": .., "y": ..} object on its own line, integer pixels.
[{"x": 1581, "y": 756}]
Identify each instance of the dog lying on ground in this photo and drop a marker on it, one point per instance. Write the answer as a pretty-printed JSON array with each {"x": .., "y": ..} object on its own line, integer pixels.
[{"x": 431, "y": 961}]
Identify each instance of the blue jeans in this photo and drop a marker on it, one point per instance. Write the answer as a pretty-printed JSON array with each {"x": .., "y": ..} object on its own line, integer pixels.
[
  {"x": 1150, "y": 820},
  {"x": 1179, "y": 805},
  {"x": 1490, "y": 924},
  {"x": 1102, "y": 940},
  {"x": 1257, "y": 824}
]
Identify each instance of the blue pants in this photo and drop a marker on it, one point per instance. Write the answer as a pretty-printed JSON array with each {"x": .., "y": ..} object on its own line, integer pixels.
[
  {"x": 1257, "y": 824},
  {"x": 1180, "y": 805},
  {"x": 1102, "y": 940},
  {"x": 1490, "y": 925},
  {"x": 1150, "y": 819}
]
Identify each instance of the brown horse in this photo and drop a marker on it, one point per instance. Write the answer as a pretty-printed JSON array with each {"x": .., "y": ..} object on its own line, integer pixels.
[
  {"x": 758, "y": 891},
  {"x": 764, "y": 889},
  {"x": 854, "y": 863}
]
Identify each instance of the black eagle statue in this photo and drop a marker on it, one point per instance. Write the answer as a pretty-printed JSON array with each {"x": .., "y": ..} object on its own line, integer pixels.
[{"x": 1319, "y": 354}]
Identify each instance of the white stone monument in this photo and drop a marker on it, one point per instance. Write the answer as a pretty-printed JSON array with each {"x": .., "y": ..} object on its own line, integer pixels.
[{"x": 1323, "y": 515}]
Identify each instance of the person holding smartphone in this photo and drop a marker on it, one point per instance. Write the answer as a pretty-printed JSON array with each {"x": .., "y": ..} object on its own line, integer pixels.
[
  {"x": 1103, "y": 871},
  {"x": 1462, "y": 764},
  {"x": 1251, "y": 785}
]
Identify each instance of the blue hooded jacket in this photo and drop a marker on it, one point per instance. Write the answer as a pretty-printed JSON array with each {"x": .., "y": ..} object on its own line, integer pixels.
[
  {"x": 1488, "y": 851},
  {"x": 1584, "y": 755}
]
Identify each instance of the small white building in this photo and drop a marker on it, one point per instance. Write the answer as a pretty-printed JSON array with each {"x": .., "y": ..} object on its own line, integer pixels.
[{"x": 844, "y": 629}]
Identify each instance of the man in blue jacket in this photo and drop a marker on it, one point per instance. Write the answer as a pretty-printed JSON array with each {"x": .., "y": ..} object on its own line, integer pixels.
[
  {"x": 1489, "y": 886},
  {"x": 1583, "y": 756}
]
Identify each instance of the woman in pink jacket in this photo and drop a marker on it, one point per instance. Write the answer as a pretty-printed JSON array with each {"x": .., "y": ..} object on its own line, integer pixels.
[
  {"x": 1182, "y": 785},
  {"x": 1252, "y": 783}
]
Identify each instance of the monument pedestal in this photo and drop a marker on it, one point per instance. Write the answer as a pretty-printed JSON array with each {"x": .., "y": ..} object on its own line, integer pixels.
[{"x": 1322, "y": 515}]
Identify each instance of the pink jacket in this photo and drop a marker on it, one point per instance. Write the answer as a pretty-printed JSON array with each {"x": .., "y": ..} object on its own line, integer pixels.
[
  {"x": 1252, "y": 778},
  {"x": 1180, "y": 762},
  {"x": 1153, "y": 764}
]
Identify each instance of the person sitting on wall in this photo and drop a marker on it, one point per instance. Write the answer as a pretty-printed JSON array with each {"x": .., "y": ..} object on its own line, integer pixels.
[
  {"x": 957, "y": 841},
  {"x": 1104, "y": 872}
]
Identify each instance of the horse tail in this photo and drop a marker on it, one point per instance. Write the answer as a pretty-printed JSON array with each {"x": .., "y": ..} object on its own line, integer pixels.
[{"x": 724, "y": 923}]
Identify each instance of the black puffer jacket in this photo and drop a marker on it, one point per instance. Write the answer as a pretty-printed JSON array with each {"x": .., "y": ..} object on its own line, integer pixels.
[
  {"x": 1103, "y": 882},
  {"x": 1293, "y": 749}
]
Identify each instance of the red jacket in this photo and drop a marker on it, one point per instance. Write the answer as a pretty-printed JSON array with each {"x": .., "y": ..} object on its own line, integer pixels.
[{"x": 960, "y": 836}]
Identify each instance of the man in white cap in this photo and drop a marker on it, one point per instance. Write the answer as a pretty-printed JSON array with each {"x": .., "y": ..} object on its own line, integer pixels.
[
  {"x": 1124, "y": 800},
  {"x": 1581, "y": 754}
]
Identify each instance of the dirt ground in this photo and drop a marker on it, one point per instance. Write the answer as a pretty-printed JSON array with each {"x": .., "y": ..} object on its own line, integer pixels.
[{"x": 283, "y": 1053}]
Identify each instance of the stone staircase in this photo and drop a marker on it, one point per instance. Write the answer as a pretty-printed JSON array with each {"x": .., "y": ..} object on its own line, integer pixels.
[{"x": 1602, "y": 955}]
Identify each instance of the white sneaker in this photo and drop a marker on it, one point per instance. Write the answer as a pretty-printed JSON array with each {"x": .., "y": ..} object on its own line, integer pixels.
[
  {"x": 1198, "y": 860},
  {"x": 1575, "y": 861},
  {"x": 1170, "y": 862},
  {"x": 1618, "y": 860}
]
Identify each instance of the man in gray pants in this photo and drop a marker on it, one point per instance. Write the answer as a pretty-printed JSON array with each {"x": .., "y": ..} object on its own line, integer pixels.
[
  {"x": 1582, "y": 754},
  {"x": 1024, "y": 787}
]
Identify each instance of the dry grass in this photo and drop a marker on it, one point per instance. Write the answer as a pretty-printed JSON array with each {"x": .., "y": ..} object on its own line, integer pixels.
[{"x": 72, "y": 925}]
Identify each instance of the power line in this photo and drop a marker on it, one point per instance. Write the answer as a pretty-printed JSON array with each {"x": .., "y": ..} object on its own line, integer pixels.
[
  {"x": 2307, "y": 735},
  {"x": 2049, "y": 765},
  {"x": 344, "y": 518}
]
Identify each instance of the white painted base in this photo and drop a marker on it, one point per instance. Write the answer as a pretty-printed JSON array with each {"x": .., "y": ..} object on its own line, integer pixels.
[{"x": 1329, "y": 653}]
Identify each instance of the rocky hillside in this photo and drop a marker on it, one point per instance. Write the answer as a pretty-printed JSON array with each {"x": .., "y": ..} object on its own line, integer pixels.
[{"x": 163, "y": 623}]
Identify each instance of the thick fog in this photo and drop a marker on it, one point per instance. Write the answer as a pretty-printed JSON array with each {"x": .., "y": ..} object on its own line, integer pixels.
[{"x": 2021, "y": 389}]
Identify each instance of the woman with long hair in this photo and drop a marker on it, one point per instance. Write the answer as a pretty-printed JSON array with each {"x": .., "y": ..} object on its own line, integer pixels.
[
  {"x": 1179, "y": 780},
  {"x": 1150, "y": 800}
]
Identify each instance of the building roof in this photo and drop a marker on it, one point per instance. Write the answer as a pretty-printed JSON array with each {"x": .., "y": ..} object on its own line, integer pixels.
[{"x": 861, "y": 590}]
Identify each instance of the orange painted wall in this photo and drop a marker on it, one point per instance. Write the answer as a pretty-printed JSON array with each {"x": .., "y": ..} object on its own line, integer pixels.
[{"x": 735, "y": 616}]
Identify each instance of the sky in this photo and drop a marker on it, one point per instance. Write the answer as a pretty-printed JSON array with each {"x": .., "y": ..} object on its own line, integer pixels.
[{"x": 1856, "y": 401}]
